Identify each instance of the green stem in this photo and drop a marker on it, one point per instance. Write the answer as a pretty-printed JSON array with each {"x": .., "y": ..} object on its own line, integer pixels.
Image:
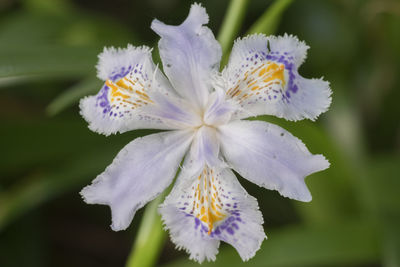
[
  {"x": 231, "y": 26},
  {"x": 269, "y": 21},
  {"x": 150, "y": 237}
]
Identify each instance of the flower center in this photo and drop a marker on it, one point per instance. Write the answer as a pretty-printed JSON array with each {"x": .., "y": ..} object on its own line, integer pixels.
[{"x": 217, "y": 112}]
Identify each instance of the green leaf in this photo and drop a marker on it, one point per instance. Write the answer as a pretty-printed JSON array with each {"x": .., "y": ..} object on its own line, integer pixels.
[
  {"x": 45, "y": 142},
  {"x": 59, "y": 7},
  {"x": 88, "y": 86},
  {"x": 269, "y": 21},
  {"x": 39, "y": 188},
  {"x": 150, "y": 237},
  {"x": 231, "y": 25},
  {"x": 45, "y": 61},
  {"x": 63, "y": 49},
  {"x": 383, "y": 185}
]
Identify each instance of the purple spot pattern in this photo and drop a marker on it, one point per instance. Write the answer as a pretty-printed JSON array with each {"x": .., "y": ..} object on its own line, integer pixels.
[
  {"x": 116, "y": 75},
  {"x": 255, "y": 58},
  {"x": 223, "y": 230},
  {"x": 116, "y": 111},
  {"x": 102, "y": 99},
  {"x": 288, "y": 61},
  {"x": 232, "y": 223}
]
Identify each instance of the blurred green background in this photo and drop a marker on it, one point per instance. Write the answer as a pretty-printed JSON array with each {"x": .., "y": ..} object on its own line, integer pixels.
[{"x": 48, "y": 52}]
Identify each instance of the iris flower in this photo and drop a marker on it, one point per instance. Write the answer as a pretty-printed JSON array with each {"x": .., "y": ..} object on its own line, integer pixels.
[{"x": 204, "y": 114}]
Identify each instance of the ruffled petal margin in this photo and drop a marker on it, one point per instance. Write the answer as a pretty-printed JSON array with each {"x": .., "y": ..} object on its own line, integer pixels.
[{"x": 140, "y": 172}]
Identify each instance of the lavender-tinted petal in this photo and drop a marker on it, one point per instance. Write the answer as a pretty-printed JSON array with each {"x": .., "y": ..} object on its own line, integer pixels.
[
  {"x": 190, "y": 55},
  {"x": 270, "y": 156},
  {"x": 140, "y": 171}
]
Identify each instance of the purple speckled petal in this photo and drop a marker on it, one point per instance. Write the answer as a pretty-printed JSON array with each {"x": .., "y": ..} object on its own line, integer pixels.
[
  {"x": 135, "y": 95},
  {"x": 237, "y": 222},
  {"x": 262, "y": 77},
  {"x": 116, "y": 63}
]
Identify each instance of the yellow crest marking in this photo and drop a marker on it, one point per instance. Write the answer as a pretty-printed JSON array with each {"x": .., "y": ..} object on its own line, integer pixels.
[
  {"x": 207, "y": 206},
  {"x": 257, "y": 79}
]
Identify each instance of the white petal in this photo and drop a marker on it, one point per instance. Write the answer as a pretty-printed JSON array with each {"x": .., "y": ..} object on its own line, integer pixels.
[
  {"x": 128, "y": 100},
  {"x": 270, "y": 156},
  {"x": 141, "y": 171},
  {"x": 218, "y": 110},
  {"x": 116, "y": 63},
  {"x": 205, "y": 146},
  {"x": 290, "y": 44},
  {"x": 175, "y": 112},
  {"x": 262, "y": 76},
  {"x": 184, "y": 233},
  {"x": 190, "y": 54},
  {"x": 208, "y": 205}
]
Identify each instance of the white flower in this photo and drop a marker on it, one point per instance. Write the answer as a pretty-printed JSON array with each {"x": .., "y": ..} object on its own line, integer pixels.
[{"x": 204, "y": 111}]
